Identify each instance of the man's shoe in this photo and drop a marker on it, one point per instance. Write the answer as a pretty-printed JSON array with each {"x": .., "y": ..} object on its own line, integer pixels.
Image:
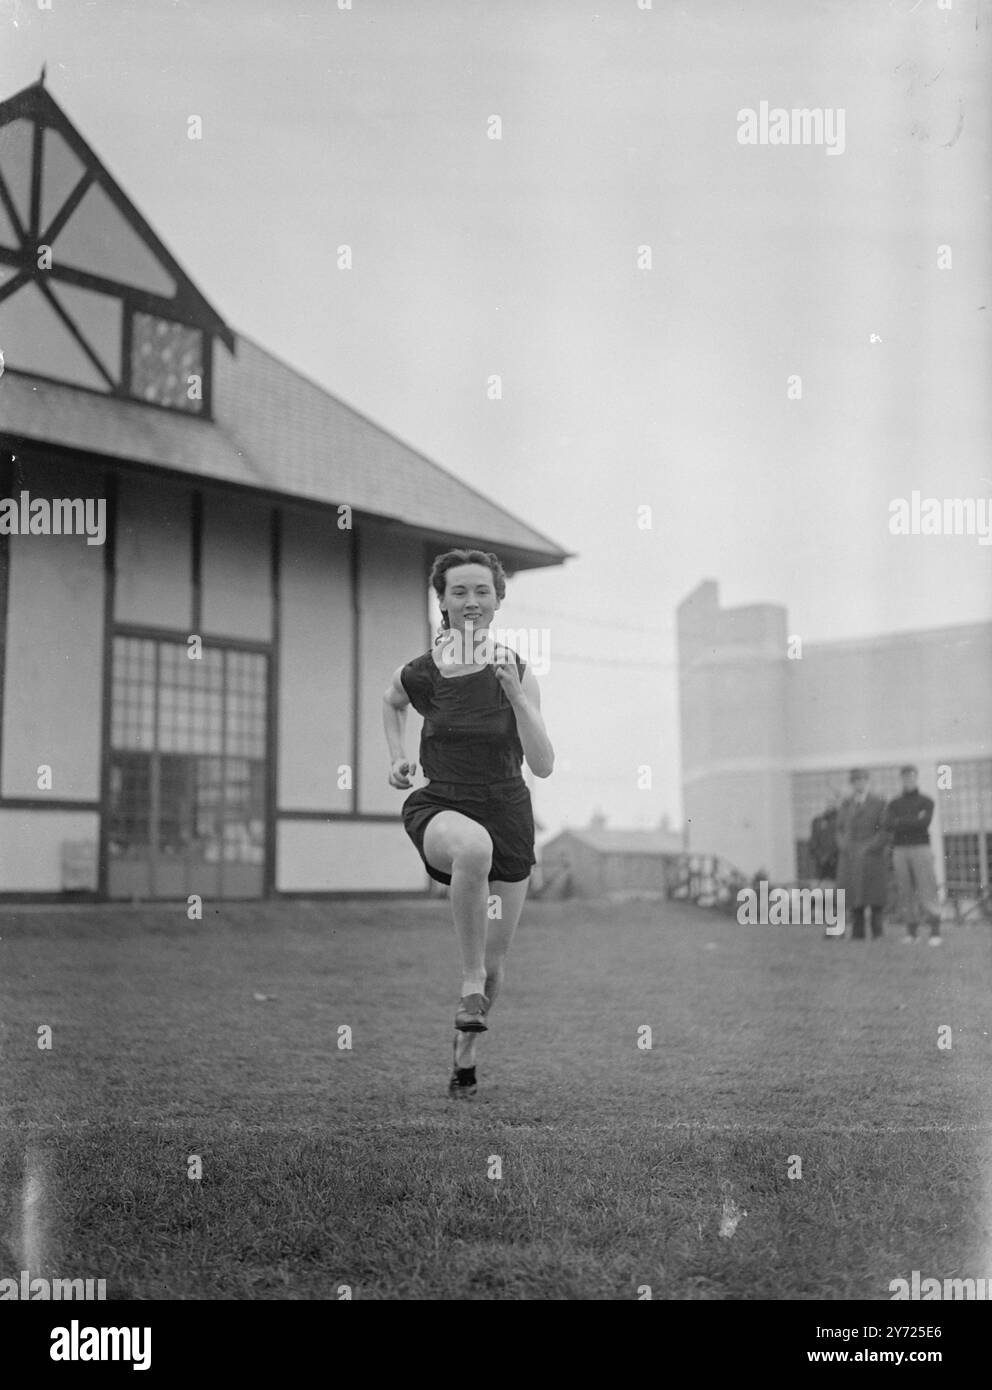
[
  {"x": 909, "y": 940},
  {"x": 936, "y": 940},
  {"x": 471, "y": 1015}
]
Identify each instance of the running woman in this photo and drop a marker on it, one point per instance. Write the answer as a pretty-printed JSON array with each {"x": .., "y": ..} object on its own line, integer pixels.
[{"x": 472, "y": 823}]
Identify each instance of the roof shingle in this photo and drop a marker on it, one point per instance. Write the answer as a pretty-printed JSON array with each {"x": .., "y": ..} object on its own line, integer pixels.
[{"x": 274, "y": 430}]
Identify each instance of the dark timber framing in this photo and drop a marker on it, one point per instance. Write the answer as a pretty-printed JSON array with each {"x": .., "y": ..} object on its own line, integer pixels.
[
  {"x": 109, "y": 586},
  {"x": 112, "y": 473},
  {"x": 74, "y": 331},
  {"x": 6, "y": 490},
  {"x": 429, "y": 551},
  {"x": 35, "y": 103},
  {"x": 186, "y": 306},
  {"x": 196, "y": 558},
  {"x": 152, "y": 633},
  {"x": 48, "y": 803},
  {"x": 36, "y": 181},
  {"x": 356, "y": 657},
  {"x": 11, "y": 210},
  {"x": 272, "y": 708}
]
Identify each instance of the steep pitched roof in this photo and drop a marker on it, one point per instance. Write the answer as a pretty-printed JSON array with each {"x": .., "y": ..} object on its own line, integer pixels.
[
  {"x": 625, "y": 841},
  {"x": 272, "y": 429},
  {"x": 275, "y": 431},
  {"x": 36, "y": 110},
  {"x": 323, "y": 448}
]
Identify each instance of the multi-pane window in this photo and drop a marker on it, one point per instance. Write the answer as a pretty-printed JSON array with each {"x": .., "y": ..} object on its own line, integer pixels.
[
  {"x": 132, "y": 722},
  {"x": 962, "y": 861},
  {"x": 967, "y": 803},
  {"x": 966, "y": 817},
  {"x": 191, "y": 694},
  {"x": 130, "y": 795},
  {"x": 188, "y": 768},
  {"x": 166, "y": 363},
  {"x": 246, "y": 705}
]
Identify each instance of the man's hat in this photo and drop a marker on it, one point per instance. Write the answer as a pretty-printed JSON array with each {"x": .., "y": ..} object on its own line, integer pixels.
[
  {"x": 857, "y": 772},
  {"x": 908, "y": 768}
]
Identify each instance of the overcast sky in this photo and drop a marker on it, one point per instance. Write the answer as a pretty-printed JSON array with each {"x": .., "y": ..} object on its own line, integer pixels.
[{"x": 622, "y": 386}]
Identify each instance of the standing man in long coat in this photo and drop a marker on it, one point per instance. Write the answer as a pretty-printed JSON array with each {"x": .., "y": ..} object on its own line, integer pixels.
[{"x": 863, "y": 869}]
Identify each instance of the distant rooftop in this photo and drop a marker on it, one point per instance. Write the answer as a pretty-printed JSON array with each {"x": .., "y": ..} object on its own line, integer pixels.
[{"x": 596, "y": 835}]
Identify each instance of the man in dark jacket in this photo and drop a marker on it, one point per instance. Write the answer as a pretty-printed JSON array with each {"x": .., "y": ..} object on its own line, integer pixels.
[
  {"x": 907, "y": 819},
  {"x": 823, "y": 840},
  {"x": 862, "y": 869}
]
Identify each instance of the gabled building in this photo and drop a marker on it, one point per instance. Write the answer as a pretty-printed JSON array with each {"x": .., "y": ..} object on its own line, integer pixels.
[
  {"x": 593, "y": 861},
  {"x": 242, "y": 505}
]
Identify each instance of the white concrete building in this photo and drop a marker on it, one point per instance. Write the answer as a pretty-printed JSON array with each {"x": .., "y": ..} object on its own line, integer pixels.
[{"x": 766, "y": 737}]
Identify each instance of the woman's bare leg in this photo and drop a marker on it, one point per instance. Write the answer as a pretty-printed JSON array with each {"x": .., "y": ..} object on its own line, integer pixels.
[
  {"x": 462, "y": 847},
  {"x": 499, "y": 934}
]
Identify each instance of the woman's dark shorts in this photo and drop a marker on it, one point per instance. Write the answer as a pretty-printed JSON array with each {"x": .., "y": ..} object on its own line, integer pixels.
[{"x": 504, "y": 808}]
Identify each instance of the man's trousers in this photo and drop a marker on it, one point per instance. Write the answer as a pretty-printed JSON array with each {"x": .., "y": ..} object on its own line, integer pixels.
[{"x": 916, "y": 886}]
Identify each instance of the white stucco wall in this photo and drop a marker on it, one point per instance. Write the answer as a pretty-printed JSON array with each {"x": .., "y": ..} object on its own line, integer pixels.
[
  {"x": 31, "y": 847},
  {"x": 746, "y": 817},
  {"x": 926, "y": 691},
  {"x": 236, "y": 567},
  {"x": 153, "y": 582},
  {"x": 393, "y": 598},
  {"x": 346, "y": 856},
  {"x": 54, "y": 655},
  {"x": 751, "y": 717},
  {"x": 315, "y": 683}
]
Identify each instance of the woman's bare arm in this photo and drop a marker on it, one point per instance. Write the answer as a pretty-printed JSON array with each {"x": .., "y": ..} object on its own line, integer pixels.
[
  {"x": 395, "y": 703},
  {"x": 525, "y": 697}
]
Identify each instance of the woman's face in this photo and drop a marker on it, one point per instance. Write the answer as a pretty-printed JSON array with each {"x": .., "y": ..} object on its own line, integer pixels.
[{"x": 469, "y": 595}]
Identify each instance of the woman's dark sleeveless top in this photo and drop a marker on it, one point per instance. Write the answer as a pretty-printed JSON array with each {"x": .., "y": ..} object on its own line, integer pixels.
[{"x": 470, "y": 729}]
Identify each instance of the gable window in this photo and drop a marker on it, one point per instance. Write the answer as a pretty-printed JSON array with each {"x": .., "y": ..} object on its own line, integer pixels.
[
  {"x": 166, "y": 362},
  {"x": 88, "y": 294}
]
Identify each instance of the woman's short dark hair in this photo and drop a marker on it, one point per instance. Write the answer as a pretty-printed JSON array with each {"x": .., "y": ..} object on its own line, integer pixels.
[{"x": 448, "y": 561}]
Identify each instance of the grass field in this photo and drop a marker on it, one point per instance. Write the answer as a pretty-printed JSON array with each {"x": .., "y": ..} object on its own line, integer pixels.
[{"x": 621, "y": 1167}]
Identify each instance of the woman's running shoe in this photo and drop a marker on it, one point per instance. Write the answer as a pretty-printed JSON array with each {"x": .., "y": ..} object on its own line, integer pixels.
[
  {"x": 463, "y": 1084},
  {"x": 471, "y": 1015}
]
